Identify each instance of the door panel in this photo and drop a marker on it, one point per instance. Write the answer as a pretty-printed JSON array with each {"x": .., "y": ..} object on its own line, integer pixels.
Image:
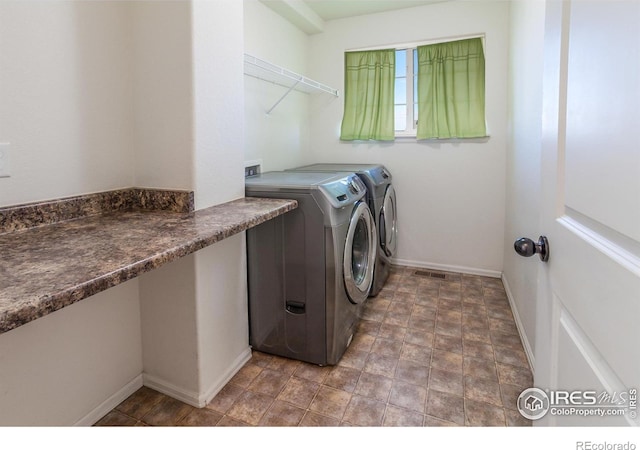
[
  {"x": 577, "y": 371},
  {"x": 589, "y": 291},
  {"x": 603, "y": 78},
  {"x": 600, "y": 295}
]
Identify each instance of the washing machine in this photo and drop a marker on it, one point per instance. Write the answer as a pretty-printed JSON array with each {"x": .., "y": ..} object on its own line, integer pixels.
[
  {"x": 381, "y": 197},
  {"x": 310, "y": 270}
]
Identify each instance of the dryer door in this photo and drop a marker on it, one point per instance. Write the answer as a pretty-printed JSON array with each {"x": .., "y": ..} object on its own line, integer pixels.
[
  {"x": 359, "y": 254},
  {"x": 388, "y": 232}
]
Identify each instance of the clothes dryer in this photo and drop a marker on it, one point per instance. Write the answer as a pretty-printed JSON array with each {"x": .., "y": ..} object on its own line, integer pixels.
[
  {"x": 381, "y": 197},
  {"x": 310, "y": 270}
]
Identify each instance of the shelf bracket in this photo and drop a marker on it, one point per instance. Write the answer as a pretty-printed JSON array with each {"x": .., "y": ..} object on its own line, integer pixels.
[{"x": 283, "y": 97}]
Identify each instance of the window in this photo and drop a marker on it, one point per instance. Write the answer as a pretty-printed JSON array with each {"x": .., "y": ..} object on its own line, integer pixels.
[
  {"x": 434, "y": 91},
  {"x": 406, "y": 92}
]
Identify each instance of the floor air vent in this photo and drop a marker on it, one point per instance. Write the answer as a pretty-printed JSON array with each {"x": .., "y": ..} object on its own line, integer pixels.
[{"x": 424, "y": 273}]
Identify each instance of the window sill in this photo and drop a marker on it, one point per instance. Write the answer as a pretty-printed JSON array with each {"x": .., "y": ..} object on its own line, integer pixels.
[
  {"x": 407, "y": 138},
  {"x": 413, "y": 140}
]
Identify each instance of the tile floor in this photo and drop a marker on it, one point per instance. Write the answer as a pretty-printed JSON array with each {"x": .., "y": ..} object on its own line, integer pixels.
[{"x": 428, "y": 352}]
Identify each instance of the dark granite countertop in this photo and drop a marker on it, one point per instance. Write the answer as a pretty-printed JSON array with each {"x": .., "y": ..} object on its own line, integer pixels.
[{"x": 46, "y": 268}]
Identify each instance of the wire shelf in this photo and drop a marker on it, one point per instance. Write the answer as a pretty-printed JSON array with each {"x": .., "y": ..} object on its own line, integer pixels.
[{"x": 266, "y": 71}]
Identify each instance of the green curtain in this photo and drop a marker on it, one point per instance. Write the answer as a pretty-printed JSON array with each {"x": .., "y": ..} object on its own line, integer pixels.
[
  {"x": 369, "y": 95},
  {"x": 451, "y": 90}
]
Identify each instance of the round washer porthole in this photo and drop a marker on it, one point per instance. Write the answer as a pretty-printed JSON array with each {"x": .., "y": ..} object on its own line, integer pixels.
[{"x": 359, "y": 254}]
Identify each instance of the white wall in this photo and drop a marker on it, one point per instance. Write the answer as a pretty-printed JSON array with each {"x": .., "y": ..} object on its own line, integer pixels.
[
  {"x": 73, "y": 365},
  {"x": 95, "y": 96},
  {"x": 162, "y": 103},
  {"x": 523, "y": 161},
  {"x": 451, "y": 194},
  {"x": 65, "y": 86},
  {"x": 218, "y": 147},
  {"x": 280, "y": 139}
]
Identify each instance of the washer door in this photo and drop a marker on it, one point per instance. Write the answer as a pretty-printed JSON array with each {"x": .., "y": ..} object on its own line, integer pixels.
[
  {"x": 388, "y": 232},
  {"x": 359, "y": 254}
]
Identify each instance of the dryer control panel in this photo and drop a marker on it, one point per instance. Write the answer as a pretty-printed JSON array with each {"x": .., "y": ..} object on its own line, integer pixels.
[
  {"x": 344, "y": 192},
  {"x": 381, "y": 175}
]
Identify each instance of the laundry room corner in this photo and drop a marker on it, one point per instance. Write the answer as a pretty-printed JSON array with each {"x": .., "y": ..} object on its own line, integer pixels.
[{"x": 451, "y": 193}]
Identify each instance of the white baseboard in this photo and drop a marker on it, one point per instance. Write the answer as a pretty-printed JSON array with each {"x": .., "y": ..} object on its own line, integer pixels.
[
  {"x": 523, "y": 337},
  {"x": 447, "y": 268},
  {"x": 215, "y": 387},
  {"x": 170, "y": 389},
  {"x": 105, "y": 407},
  {"x": 199, "y": 400}
]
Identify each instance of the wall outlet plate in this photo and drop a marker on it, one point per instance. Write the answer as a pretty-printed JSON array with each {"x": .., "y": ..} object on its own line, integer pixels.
[
  {"x": 4, "y": 160},
  {"x": 252, "y": 168},
  {"x": 251, "y": 171}
]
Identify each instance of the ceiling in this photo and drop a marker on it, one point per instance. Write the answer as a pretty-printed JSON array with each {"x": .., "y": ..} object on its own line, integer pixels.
[
  {"x": 310, "y": 15},
  {"x": 338, "y": 9}
]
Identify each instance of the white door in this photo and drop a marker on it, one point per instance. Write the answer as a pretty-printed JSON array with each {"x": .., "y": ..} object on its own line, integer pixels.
[{"x": 588, "y": 318}]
